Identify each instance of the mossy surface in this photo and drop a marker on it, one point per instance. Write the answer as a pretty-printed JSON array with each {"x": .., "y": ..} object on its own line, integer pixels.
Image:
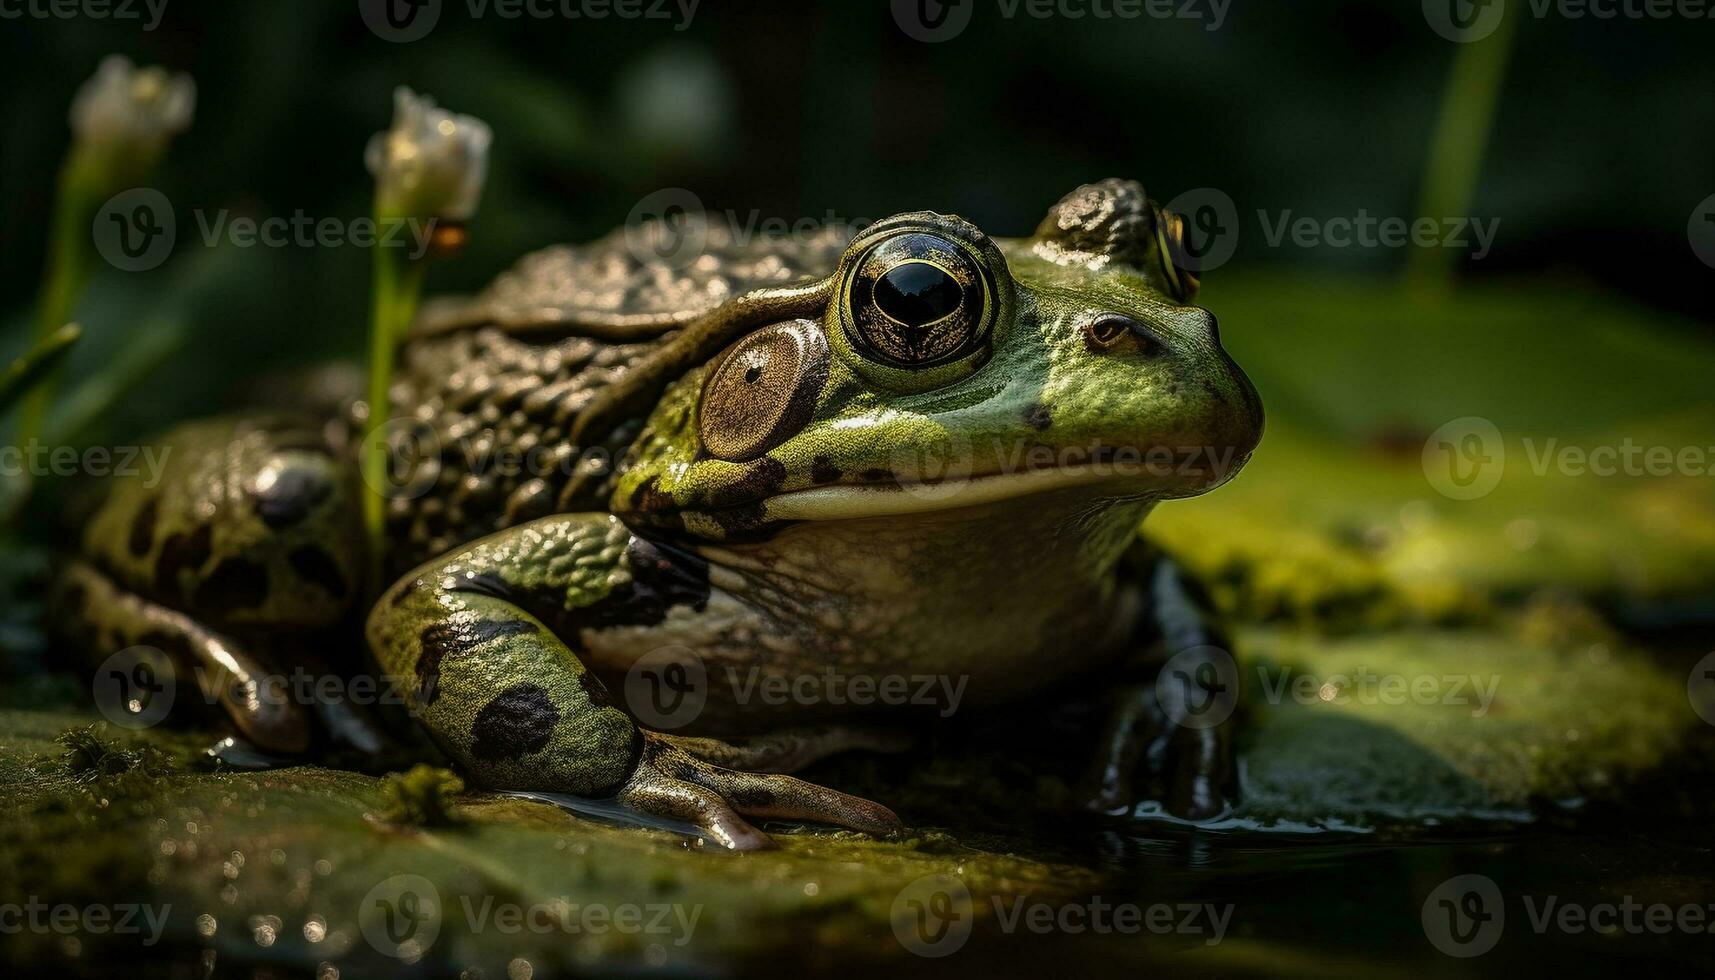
[
  {"x": 1449, "y": 725},
  {"x": 1335, "y": 518},
  {"x": 278, "y": 866}
]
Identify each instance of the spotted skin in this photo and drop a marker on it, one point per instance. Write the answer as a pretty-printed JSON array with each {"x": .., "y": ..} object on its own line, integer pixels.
[
  {"x": 251, "y": 524},
  {"x": 250, "y": 538},
  {"x": 576, "y": 516}
]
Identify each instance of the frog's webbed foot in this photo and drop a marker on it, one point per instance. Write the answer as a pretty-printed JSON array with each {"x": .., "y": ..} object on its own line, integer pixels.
[
  {"x": 791, "y": 749},
  {"x": 669, "y": 782},
  {"x": 1151, "y": 752}
]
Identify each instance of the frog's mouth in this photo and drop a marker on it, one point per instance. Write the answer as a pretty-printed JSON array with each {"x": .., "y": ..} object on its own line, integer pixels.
[{"x": 1112, "y": 471}]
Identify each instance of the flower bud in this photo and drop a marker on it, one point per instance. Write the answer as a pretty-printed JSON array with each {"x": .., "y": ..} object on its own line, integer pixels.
[{"x": 431, "y": 163}]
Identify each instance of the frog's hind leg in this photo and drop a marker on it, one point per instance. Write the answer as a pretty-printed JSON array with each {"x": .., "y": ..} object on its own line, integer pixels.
[
  {"x": 207, "y": 662},
  {"x": 238, "y": 546},
  {"x": 791, "y": 749}
]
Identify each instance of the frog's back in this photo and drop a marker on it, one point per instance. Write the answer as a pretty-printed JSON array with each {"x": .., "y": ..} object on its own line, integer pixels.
[{"x": 493, "y": 385}]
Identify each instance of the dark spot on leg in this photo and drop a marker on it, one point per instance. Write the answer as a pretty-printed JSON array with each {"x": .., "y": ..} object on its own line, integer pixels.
[
  {"x": 878, "y": 475},
  {"x": 750, "y": 796},
  {"x": 1038, "y": 416},
  {"x": 441, "y": 640},
  {"x": 295, "y": 492},
  {"x": 143, "y": 528},
  {"x": 483, "y": 583},
  {"x": 595, "y": 689},
  {"x": 235, "y": 583},
  {"x": 823, "y": 470},
  {"x": 181, "y": 552},
  {"x": 518, "y": 721},
  {"x": 315, "y": 565}
]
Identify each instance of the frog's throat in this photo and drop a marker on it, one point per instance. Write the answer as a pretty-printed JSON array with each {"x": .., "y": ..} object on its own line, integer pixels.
[{"x": 1051, "y": 553}]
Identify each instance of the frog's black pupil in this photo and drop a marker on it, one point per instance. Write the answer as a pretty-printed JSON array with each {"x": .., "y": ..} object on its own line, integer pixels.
[{"x": 917, "y": 293}]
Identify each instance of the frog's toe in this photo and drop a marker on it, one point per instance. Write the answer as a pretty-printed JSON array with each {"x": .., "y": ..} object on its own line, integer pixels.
[
  {"x": 1198, "y": 771},
  {"x": 672, "y": 783},
  {"x": 651, "y": 792},
  {"x": 1146, "y": 755},
  {"x": 789, "y": 798}
]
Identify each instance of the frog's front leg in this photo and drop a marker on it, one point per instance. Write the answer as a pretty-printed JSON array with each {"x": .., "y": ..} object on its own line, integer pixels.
[
  {"x": 480, "y": 642},
  {"x": 1169, "y": 730}
]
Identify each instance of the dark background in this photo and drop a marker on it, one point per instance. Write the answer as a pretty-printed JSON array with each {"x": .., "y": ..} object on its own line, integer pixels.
[{"x": 1603, "y": 141}]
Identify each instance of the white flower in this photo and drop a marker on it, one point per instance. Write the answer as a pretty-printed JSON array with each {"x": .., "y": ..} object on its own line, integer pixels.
[
  {"x": 431, "y": 163},
  {"x": 128, "y": 110}
]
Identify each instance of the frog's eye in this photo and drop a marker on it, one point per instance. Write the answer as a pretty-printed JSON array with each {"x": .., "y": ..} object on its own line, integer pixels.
[
  {"x": 917, "y": 300},
  {"x": 1176, "y": 265},
  {"x": 763, "y": 390}
]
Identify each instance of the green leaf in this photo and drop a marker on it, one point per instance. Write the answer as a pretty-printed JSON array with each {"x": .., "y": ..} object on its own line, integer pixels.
[{"x": 37, "y": 364}]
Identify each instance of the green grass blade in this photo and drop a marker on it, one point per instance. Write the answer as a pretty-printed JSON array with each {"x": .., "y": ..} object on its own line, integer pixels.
[{"x": 37, "y": 364}]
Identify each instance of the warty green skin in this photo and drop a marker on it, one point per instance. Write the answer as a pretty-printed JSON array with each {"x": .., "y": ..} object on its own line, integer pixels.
[{"x": 839, "y": 549}]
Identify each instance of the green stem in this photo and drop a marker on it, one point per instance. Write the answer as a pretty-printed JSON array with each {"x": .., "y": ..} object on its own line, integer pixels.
[
  {"x": 37, "y": 363},
  {"x": 397, "y": 289},
  {"x": 1456, "y": 151},
  {"x": 63, "y": 277}
]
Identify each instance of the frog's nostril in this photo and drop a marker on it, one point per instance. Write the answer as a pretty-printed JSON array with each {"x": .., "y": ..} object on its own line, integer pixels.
[{"x": 1113, "y": 333}]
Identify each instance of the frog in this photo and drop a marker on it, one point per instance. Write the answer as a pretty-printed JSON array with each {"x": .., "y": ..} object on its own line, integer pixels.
[{"x": 903, "y": 450}]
